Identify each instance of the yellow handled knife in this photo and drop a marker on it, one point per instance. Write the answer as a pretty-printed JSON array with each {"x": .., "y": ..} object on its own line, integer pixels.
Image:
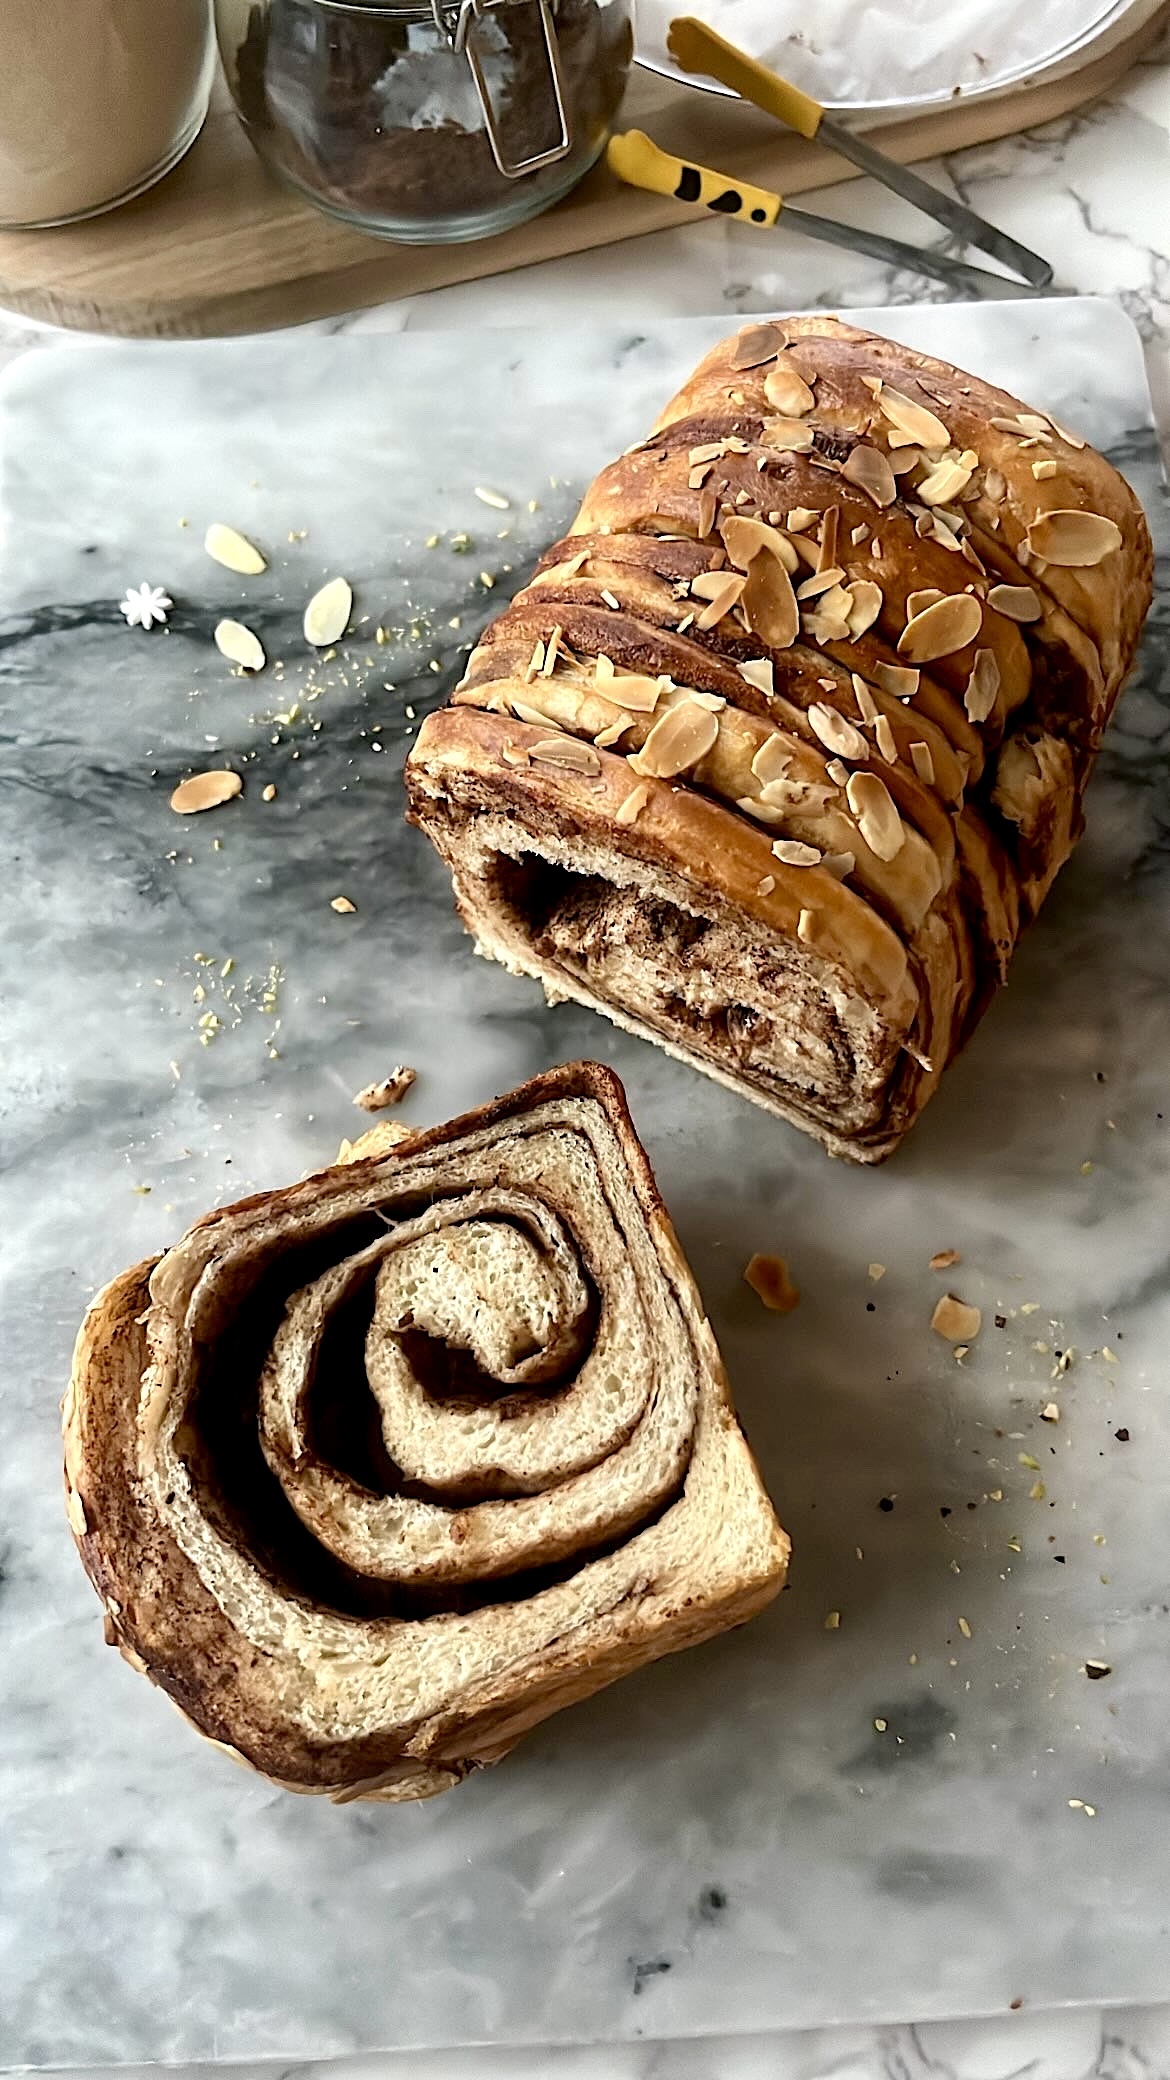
[
  {"x": 640, "y": 163},
  {"x": 697, "y": 49}
]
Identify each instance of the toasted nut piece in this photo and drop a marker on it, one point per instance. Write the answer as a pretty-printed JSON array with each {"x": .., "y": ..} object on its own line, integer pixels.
[
  {"x": 768, "y": 1276},
  {"x": 1073, "y": 539},
  {"x": 791, "y": 853},
  {"x": 955, "y": 1321},
  {"x": 877, "y": 818},
  {"x": 744, "y": 538},
  {"x": 629, "y": 811},
  {"x": 911, "y": 422},
  {"x": 758, "y": 672},
  {"x": 982, "y": 687},
  {"x": 790, "y": 436},
  {"x": 949, "y": 624},
  {"x": 233, "y": 550},
  {"x": 205, "y": 791},
  {"x": 240, "y": 645},
  {"x": 327, "y": 614},
  {"x": 870, "y": 470},
  {"x": 867, "y": 605},
  {"x": 1015, "y": 602},
  {"x": 900, "y": 680},
  {"x": 678, "y": 740},
  {"x": 786, "y": 390},
  {"x": 566, "y": 751},
  {"x": 757, "y": 344},
  {"x": 836, "y": 733},
  {"x": 769, "y": 603}
]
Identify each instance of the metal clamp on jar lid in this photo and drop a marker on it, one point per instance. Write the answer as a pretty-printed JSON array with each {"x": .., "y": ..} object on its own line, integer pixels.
[{"x": 459, "y": 25}]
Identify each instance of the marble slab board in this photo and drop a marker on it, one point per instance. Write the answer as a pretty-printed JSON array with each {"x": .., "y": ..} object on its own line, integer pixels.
[{"x": 793, "y": 1826}]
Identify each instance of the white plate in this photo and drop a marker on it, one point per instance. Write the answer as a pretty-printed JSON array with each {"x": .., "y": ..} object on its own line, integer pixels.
[{"x": 892, "y": 54}]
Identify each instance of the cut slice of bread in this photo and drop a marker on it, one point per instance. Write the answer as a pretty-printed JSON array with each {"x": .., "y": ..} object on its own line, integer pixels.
[{"x": 375, "y": 1472}]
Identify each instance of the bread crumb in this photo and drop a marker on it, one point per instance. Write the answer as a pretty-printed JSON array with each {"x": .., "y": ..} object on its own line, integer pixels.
[
  {"x": 389, "y": 1090},
  {"x": 955, "y": 1321},
  {"x": 768, "y": 1277}
]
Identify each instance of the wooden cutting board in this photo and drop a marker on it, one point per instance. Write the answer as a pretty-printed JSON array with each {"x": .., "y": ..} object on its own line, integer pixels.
[{"x": 221, "y": 247}]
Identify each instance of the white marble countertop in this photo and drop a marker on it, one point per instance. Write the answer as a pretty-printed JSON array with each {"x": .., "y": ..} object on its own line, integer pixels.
[{"x": 1091, "y": 192}]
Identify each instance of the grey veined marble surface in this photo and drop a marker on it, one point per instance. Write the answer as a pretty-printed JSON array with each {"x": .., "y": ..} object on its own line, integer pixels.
[{"x": 793, "y": 1826}]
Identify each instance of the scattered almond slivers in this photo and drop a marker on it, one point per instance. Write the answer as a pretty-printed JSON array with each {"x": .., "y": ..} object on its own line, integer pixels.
[
  {"x": 757, "y": 344},
  {"x": 945, "y": 626},
  {"x": 566, "y": 751},
  {"x": 240, "y": 645},
  {"x": 744, "y": 538},
  {"x": 629, "y": 811},
  {"x": 631, "y": 690},
  {"x": 343, "y": 906},
  {"x": 729, "y": 594},
  {"x": 922, "y": 761},
  {"x": 768, "y": 1278},
  {"x": 912, "y": 423},
  {"x": 759, "y": 673},
  {"x": 388, "y": 1090},
  {"x": 982, "y": 686},
  {"x": 900, "y": 680},
  {"x": 947, "y": 479},
  {"x": 205, "y": 791},
  {"x": 678, "y": 740},
  {"x": 867, "y": 605},
  {"x": 836, "y": 733},
  {"x": 790, "y": 436},
  {"x": 233, "y": 550},
  {"x": 877, "y": 818},
  {"x": 1015, "y": 602},
  {"x": 839, "y": 864},
  {"x": 792, "y": 853},
  {"x": 870, "y": 471},
  {"x": 1072, "y": 539},
  {"x": 769, "y": 602},
  {"x": 955, "y": 1321},
  {"x": 786, "y": 390},
  {"x": 327, "y": 614},
  {"x": 944, "y": 1259},
  {"x": 772, "y": 761}
]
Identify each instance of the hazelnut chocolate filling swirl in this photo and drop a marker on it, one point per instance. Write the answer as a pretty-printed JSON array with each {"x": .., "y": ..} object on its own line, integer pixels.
[
  {"x": 375, "y": 1472},
  {"x": 788, "y": 737}
]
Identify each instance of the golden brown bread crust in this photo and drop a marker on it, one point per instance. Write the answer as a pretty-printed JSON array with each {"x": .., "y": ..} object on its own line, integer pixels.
[
  {"x": 846, "y": 601},
  {"x": 374, "y": 1663}
]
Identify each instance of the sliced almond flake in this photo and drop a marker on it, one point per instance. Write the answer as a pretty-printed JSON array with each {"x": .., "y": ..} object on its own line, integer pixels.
[
  {"x": 796, "y": 794},
  {"x": 603, "y": 738},
  {"x": 837, "y": 773},
  {"x": 764, "y": 812},
  {"x": 769, "y": 603},
  {"x": 912, "y": 422},
  {"x": 917, "y": 602},
  {"x": 948, "y": 478},
  {"x": 713, "y": 701},
  {"x": 806, "y": 927},
  {"x": 1016, "y": 602},
  {"x": 867, "y": 601},
  {"x": 568, "y": 752},
  {"x": 791, "y": 853},
  {"x": 1005, "y": 425},
  {"x": 75, "y": 1511},
  {"x": 875, "y": 550},
  {"x": 867, "y": 707},
  {"x": 743, "y": 538},
  {"x": 233, "y": 550},
  {"x": 969, "y": 555},
  {"x": 827, "y": 627},
  {"x": 635, "y": 691},
  {"x": 923, "y": 763},
  {"x": 947, "y": 625},
  {"x": 736, "y": 446},
  {"x": 801, "y": 518},
  {"x": 681, "y": 627},
  {"x": 786, "y": 390},
  {"x": 1033, "y": 422},
  {"x": 525, "y": 712},
  {"x": 343, "y": 906},
  {"x": 829, "y": 537},
  {"x": 611, "y": 600},
  {"x": 839, "y": 864},
  {"x": 535, "y": 663},
  {"x": 629, "y": 811},
  {"x": 708, "y": 451},
  {"x": 769, "y": 1280},
  {"x": 698, "y": 477},
  {"x": 1074, "y": 540},
  {"x": 727, "y": 597},
  {"x": 1042, "y": 470},
  {"x": 757, "y": 344},
  {"x": 955, "y": 1321},
  {"x": 982, "y": 687},
  {"x": 1074, "y": 439},
  {"x": 677, "y": 741},
  {"x": 869, "y": 470},
  {"x": 495, "y": 499},
  {"x": 900, "y": 680},
  {"x": 837, "y": 734},
  {"x": 765, "y": 887},
  {"x": 773, "y": 760},
  {"x": 945, "y": 536},
  {"x": 552, "y": 649},
  {"x": 327, "y": 614},
  {"x": 708, "y": 507},
  {"x": 873, "y": 384},
  {"x": 883, "y": 737},
  {"x": 238, "y": 643},
  {"x": 575, "y": 564},
  {"x": 821, "y": 581},
  {"x": 788, "y": 436},
  {"x": 205, "y": 791},
  {"x": 604, "y": 668},
  {"x": 758, "y": 672},
  {"x": 877, "y": 819},
  {"x": 829, "y": 685},
  {"x": 944, "y": 1259},
  {"x": 903, "y": 460},
  {"x": 807, "y": 550},
  {"x": 1023, "y": 554},
  {"x": 514, "y": 754}
]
